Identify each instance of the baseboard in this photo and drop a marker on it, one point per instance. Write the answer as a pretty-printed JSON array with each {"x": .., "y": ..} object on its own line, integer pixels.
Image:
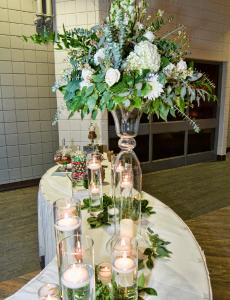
[
  {"x": 228, "y": 149},
  {"x": 221, "y": 157},
  {"x": 19, "y": 184}
]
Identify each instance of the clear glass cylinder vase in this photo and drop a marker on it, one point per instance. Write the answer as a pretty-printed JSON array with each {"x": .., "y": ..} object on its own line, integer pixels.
[
  {"x": 127, "y": 177},
  {"x": 77, "y": 268}
]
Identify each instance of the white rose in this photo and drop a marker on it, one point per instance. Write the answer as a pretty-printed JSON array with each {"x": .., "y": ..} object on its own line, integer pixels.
[
  {"x": 87, "y": 74},
  {"x": 149, "y": 35},
  {"x": 112, "y": 76}
]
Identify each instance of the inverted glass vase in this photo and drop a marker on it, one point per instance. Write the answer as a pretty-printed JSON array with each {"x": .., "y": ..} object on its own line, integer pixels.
[{"x": 127, "y": 178}]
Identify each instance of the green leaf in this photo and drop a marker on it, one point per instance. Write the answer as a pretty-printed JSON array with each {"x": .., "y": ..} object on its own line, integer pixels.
[
  {"x": 146, "y": 88},
  {"x": 118, "y": 87},
  {"x": 68, "y": 95},
  {"x": 180, "y": 103},
  {"x": 148, "y": 251},
  {"x": 98, "y": 78},
  {"x": 91, "y": 103},
  {"x": 141, "y": 281},
  {"x": 119, "y": 100},
  {"x": 94, "y": 114},
  {"x": 140, "y": 264},
  {"x": 191, "y": 65},
  {"x": 172, "y": 112},
  {"x": 164, "y": 61},
  {"x": 89, "y": 90},
  {"x": 110, "y": 105},
  {"x": 161, "y": 251},
  {"x": 150, "y": 291},
  {"x": 183, "y": 92},
  {"x": 63, "y": 89},
  {"x": 101, "y": 42},
  {"x": 138, "y": 101},
  {"x": 149, "y": 263},
  {"x": 106, "y": 96},
  {"x": 25, "y": 38},
  {"x": 162, "y": 79},
  {"x": 73, "y": 85},
  {"x": 164, "y": 111},
  {"x": 101, "y": 87}
]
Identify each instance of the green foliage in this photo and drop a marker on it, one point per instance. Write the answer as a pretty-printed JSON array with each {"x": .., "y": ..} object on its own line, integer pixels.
[
  {"x": 141, "y": 288},
  {"x": 157, "y": 248}
]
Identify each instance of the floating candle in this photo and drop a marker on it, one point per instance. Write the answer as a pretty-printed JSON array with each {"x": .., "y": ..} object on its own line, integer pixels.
[
  {"x": 126, "y": 182},
  {"x": 120, "y": 168},
  {"x": 126, "y": 228},
  {"x": 95, "y": 189},
  {"x": 75, "y": 277},
  {"x": 67, "y": 223},
  {"x": 124, "y": 264},
  {"x": 94, "y": 165},
  {"x": 105, "y": 273}
]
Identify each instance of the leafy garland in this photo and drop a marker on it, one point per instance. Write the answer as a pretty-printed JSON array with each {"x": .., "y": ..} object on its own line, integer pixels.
[{"x": 102, "y": 218}]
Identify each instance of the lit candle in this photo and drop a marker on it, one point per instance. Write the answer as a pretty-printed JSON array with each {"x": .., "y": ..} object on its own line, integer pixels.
[
  {"x": 120, "y": 168},
  {"x": 126, "y": 228},
  {"x": 95, "y": 189},
  {"x": 94, "y": 165},
  {"x": 104, "y": 273},
  {"x": 126, "y": 183},
  {"x": 67, "y": 224},
  {"x": 76, "y": 276},
  {"x": 50, "y": 297},
  {"x": 78, "y": 250},
  {"x": 124, "y": 264}
]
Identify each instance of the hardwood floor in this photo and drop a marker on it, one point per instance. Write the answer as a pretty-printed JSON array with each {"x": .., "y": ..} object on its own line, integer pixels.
[{"x": 199, "y": 194}]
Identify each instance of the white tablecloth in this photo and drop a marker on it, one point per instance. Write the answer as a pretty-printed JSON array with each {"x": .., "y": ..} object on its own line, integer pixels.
[{"x": 184, "y": 276}]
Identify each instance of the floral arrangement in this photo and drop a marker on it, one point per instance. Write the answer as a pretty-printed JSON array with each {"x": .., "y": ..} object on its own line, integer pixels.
[{"x": 124, "y": 62}]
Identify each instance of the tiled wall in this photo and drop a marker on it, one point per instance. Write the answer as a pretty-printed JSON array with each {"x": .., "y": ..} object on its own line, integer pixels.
[
  {"x": 84, "y": 14},
  {"x": 27, "y": 104},
  {"x": 208, "y": 25}
]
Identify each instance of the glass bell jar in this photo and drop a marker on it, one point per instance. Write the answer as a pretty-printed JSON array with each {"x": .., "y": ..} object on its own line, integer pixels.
[{"x": 127, "y": 178}]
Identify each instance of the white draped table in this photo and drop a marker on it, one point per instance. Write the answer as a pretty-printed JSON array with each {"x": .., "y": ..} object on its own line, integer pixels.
[{"x": 184, "y": 276}]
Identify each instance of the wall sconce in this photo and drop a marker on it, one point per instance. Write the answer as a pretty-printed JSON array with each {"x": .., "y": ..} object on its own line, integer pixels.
[{"x": 44, "y": 19}]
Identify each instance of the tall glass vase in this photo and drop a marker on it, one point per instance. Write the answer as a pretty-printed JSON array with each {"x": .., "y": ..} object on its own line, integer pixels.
[{"x": 127, "y": 179}]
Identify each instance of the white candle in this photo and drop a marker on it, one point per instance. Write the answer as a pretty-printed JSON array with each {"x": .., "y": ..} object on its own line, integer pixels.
[
  {"x": 120, "y": 168},
  {"x": 104, "y": 273},
  {"x": 67, "y": 224},
  {"x": 113, "y": 211},
  {"x": 75, "y": 277},
  {"x": 48, "y": 7},
  {"x": 126, "y": 228},
  {"x": 126, "y": 183},
  {"x": 94, "y": 165},
  {"x": 124, "y": 264},
  {"x": 95, "y": 189},
  {"x": 51, "y": 298}
]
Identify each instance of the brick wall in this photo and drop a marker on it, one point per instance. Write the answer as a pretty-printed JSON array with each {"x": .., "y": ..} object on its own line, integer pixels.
[{"x": 27, "y": 104}]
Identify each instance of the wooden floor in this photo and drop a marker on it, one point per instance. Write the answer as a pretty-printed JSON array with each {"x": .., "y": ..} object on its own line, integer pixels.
[{"x": 199, "y": 194}]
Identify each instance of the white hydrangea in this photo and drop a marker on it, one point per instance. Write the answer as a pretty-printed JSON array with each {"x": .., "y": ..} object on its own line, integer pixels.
[
  {"x": 169, "y": 69},
  {"x": 144, "y": 56},
  {"x": 157, "y": 88},
  {"x": 181, "y": 66},
  {"x": 99, "y": 54},
  {"x": 87, "y": 73},
  {"x": 85, "y": 83}
]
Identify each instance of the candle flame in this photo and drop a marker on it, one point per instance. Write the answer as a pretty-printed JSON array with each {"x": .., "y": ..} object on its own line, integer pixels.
[
  {"x": 68, "y": 205},
  {"x": 74, "y": 268},
  {"x": 123, "y": 242},
  {"x": 124, "y": 256},
  {"x": 78, "y": 245},
  {"x": 66, "y": 216},
  {"x": 106, "y": 269}
]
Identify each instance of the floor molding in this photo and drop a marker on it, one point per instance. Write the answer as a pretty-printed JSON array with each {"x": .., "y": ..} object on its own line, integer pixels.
[{"x": 19, "y": 184}]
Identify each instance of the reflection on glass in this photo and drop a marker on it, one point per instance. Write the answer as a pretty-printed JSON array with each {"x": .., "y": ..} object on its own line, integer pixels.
[
  {"x": 166, "y": 145},
  {"x": 202, "y": 141},
  {"x": 206, "y": 109}
]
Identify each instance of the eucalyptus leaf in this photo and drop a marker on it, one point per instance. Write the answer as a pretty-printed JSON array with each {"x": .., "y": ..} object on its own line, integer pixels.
[
  {"x": 91, "y": 103},
  {"x": 94, "y": 114},
  {"x": 183, "y": 92},
  {"x": 89, "y": 90},
  {"x": 73, "y": 85},
  {"x": 141, "y": 281}
]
